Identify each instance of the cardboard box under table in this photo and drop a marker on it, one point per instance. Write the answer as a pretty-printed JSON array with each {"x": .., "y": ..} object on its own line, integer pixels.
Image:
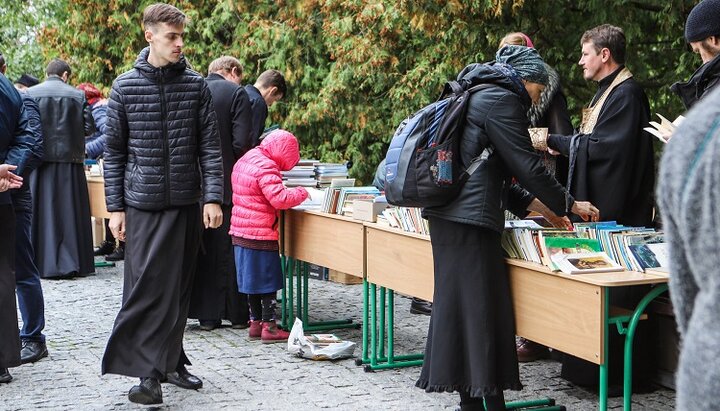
[
  {"x": 570, "y": 313},
  {"x": 328, "y": 240}
]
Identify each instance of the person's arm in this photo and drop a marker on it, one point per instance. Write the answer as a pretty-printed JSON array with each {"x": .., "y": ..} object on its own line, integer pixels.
[
  {"x": 96, "y": 147},
  {"x": 242, "y": 140},
  {"x": 27, "y": 148},
  {"x": 209, "y": 150},
  {"x": 506, "y": 126},
  {"x": 88, "y": 121},
  {"x": 116, "y": 151},
  {"x": 279, "y": 196}
]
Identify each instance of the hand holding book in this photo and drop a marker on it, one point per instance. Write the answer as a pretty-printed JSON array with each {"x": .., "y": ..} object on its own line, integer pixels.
[{"x": 665, "y": 129}]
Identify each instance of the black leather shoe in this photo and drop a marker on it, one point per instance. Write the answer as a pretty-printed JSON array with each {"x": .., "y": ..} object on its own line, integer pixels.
[
  {"x": 5, "y": 376},
  {"x": 418, "y": 306},
  {"x": 183, "y": 379},
  {"x": 106, "y": 247},
  {"x": 147, "y": 392},
  {"x": 209, "y": 325},
  {"x": 117, "y": 255},
  {"x": 32, "y": 351}
]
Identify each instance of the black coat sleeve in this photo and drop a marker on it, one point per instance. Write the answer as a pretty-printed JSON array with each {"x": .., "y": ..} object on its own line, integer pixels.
[
  {"x": 116, "y": 151},
  {"x": 210, "y": 157},
  {"x": 507, "y": 129},
  {"x": 242, "y": 140}
]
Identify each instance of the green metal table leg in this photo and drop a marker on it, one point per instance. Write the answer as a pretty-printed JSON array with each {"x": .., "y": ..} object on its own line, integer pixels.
[
  {"x": 373, "y": 326},
  {"x": 364, "y": 358},
  {"x": 381, "y": 327},
  {"x": 305, "y": 276},
  {"x": 298, "y": 294},
  {"x": 603, "y": 389},
  {"x": 632, "y": 326},
  {"x": 391, "y": 328},
  {"x": 291, "y": 298},
  {"x": 100, "y": 264}
]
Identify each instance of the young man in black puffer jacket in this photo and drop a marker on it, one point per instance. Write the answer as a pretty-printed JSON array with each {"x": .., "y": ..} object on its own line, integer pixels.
[{"x": 162, "y": 159}]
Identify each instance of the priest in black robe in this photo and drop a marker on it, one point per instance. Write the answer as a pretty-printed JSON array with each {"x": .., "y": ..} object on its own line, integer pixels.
[{"x": 612, "y": 166}]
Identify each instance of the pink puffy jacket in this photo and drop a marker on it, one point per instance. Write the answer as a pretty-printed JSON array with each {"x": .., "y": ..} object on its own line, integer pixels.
[{"x": 258, "y": 191}]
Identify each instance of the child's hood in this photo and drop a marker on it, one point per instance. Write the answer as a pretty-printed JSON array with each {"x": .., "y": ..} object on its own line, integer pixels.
[{"x": 282, "y": 147}]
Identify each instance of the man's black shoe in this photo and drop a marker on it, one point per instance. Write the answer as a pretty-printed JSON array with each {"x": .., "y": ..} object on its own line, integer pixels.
[
  {"x": 32, "y": 351},
  {"x": 183, "y": 379},
  {"x": 117, "y": 255},
  {"x": 147, "y": 392},
  {"x": 105, "y": 248},
  {"x": 209, "y": 325},
  {"x": 5, "y": 376},
  {"x": 418, "y": 306}
]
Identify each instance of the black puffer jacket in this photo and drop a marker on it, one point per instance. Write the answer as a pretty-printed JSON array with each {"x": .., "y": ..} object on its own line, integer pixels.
[
  {"x": 163, "y": 148},
  {"x": 497, "y": 120}
]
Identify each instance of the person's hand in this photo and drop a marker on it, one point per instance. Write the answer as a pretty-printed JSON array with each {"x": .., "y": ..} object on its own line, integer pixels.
[
  {"x": 8, "y": 180},
  {"x": 212, "y": 215},
  {"x": 556, "y": 221},
  {"x": 553, "y": 152},
  {"x": 586, "y": 211},
  {"x": 117, "y": 224}
]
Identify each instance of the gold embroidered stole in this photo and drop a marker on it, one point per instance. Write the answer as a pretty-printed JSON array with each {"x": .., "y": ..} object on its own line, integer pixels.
[{"x": 590, "y": 114}]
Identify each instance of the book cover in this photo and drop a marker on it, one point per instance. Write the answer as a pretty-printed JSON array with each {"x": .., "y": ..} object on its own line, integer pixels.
[
  {"x": 556, "y": 247},
  {"x": 583, "y": 263}
]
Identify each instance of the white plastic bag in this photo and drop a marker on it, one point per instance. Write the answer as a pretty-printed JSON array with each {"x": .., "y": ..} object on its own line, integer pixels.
[{"x": 299, "y": 344}]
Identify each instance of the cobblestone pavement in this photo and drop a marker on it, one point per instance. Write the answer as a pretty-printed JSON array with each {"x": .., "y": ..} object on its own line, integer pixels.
[{"x": 242, "y": 375}]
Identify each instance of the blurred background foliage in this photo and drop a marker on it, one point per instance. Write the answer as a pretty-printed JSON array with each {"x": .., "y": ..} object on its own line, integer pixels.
[{"x": 355, "y": 68}]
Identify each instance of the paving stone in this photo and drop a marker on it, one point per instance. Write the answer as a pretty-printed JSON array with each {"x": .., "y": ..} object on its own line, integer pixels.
[{"x": 243, "y": 374}]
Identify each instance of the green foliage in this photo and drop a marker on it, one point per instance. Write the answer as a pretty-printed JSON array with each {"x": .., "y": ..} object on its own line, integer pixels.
[
  {"x": 356, "y": 68},
  {"x": 20, "y": 21}
]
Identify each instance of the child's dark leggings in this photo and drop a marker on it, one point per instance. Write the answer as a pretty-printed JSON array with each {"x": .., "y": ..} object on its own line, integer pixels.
[{"x": 262, "y": 306}]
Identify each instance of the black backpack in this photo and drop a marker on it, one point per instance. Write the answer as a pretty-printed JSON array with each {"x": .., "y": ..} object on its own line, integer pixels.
[{"x": 423, "y": 164}]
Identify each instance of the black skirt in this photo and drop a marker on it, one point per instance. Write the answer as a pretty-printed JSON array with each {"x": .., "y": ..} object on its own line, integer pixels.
[
  {"x": 61, "y": 229},
  {"x": 160, "y": 254},
  {"x": 9, "y": 334},
  {"x": 471, "y": 340},
  {"x": 215, "y": 293}
]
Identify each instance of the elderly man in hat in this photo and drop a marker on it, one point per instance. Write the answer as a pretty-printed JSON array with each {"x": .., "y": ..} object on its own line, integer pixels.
[{"x": 702, "y": 32}]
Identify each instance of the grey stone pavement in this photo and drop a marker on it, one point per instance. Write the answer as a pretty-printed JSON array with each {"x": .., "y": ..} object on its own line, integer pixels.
[{"x": 246, "y": 375}]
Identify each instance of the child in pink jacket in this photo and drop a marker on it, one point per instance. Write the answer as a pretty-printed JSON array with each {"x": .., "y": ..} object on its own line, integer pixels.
[{"x": 258, "y": 194}]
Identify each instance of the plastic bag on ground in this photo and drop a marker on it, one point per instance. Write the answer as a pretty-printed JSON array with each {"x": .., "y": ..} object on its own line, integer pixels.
[{"x": 303, "y": 347}]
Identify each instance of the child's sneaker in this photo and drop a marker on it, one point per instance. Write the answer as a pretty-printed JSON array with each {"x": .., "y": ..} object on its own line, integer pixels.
[
  {"x": 272, "y": 334},
  {"x": 255, "y": 330}
]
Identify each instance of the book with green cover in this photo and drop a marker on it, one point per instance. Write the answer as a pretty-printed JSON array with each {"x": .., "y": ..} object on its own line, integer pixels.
[{"x": 567, "y": 245}]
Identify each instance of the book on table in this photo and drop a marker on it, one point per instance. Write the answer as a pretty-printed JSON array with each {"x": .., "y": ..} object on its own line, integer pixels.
[
  {"x": 585, "y": 263},
  {"x": 558, "y": 243}
]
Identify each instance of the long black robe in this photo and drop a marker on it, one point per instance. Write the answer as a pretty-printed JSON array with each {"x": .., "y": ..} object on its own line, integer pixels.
[
  {"x": 160, "y": 254},
  {"x": 614, "y": 165},
  {"x": 9, "y": 336}
]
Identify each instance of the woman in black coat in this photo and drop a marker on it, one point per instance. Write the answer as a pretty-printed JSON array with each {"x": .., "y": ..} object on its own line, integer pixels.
[{"x": 471, "y": 340}]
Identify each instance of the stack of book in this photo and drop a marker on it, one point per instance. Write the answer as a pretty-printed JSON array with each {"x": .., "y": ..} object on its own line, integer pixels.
[
  {"x": 592, "y": 247},
  {"x": 339, "y": 198},
  {"x": 408, "y": 219},
  {"x": 303, "y": 174},
  {"x": 326, "y": 172}
]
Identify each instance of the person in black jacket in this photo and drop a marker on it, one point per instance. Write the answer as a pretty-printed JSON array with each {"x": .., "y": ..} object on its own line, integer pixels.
[
  {"x": 471, "y": 340},
  {"x": 702, "y": 32},
  {"x": 31, "y": 301},
  {"x": 162, "y": 160},
  {"x": 215, "y": 294},
  {"x": 269, "y": 87},
  {"x": 550, "y": 112},
  {"x": 15, "y": 148},
  {"x": 61, "y": 228}
]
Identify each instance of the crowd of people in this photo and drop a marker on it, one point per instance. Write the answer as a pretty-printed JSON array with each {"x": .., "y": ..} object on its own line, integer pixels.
[{"x": 194, "y": 192}]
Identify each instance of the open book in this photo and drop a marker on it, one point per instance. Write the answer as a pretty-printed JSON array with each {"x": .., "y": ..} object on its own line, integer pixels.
[{"x": 665, "y": 128}]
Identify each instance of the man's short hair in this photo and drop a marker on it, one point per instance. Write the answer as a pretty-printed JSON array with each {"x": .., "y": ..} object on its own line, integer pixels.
[
  {"x": 157, "y": 13},
  {"x": 2, "y": 60},
  {"x": 272, "y": 78},
  {"x": 609, "y": 37},
  {"x": 57, "y": 67},
  {"x": 225, "y": 63}
]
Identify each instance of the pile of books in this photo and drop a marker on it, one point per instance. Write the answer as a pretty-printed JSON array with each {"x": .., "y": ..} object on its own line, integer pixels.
[
  {"x": 341, "y": 194},
  {"x": 303, "y": 174},
  {"x": 408, "y": 219},
  {"x": 326, "y": 172},
  {"x": 591, "y": 247}
]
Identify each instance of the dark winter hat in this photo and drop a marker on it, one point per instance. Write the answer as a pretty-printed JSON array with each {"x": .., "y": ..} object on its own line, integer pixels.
[
  {"x": 27, "y": 80},
  {"x": 703, "y": 21},
  {"x": 526, "y": 61}
]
